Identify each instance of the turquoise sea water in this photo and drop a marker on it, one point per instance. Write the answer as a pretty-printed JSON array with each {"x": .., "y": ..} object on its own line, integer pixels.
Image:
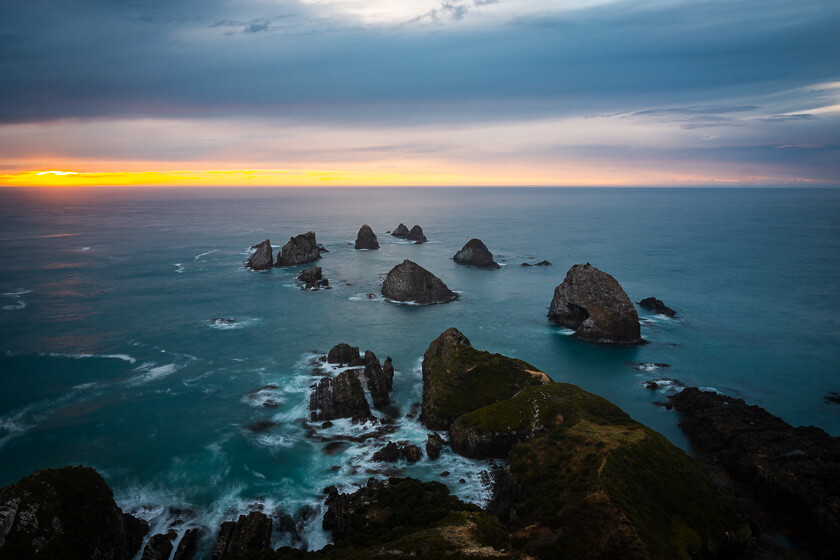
[{"x": 108, "y": 355}]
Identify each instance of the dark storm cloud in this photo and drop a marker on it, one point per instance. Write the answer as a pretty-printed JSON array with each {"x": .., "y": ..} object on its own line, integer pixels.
[{"x": 94, "y": 58}]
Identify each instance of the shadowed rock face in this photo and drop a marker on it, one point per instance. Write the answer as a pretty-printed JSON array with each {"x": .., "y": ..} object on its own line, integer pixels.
[
  {"x": 400, "y": 231},
  {"x": 343, "y": 353},
  {"x": 341, "y": 396},
  {"x": 312, "y": 278},
  {"x": 411, "y": 282},
  {"x": 366, "y": 239},
  {"x": 377, "y": 382},
  {"x": 793, "y": 470},
  {"x": 393, "y": 452},
  {"x": 657, "y": 306},
  {"x": 593, "y": 304},
  {"x": 249, "y": 537},
  {"x": 66, "y": 513},
  {"x": 433, "y": 444},
  {"x": 299, "y": 250},
  {"x": 416, "y": 235},
  {"x": 475, "y": 253},
  {"x": 262, "y": 258}
]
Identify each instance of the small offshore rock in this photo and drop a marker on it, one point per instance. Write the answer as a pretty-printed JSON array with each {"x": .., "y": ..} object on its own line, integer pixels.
[
  {"x": 262, "y": 258},
  {"x": 222, "y": 321},
  {"x": 833, "y": 397},
  {"x": 366, "y": 239},
  {"x": 416, "y": 235},
  {"x": 433, "y": 444},
  {"x": 593, "y": 304},
  {"x": 526, "y": 264},
  {"x": 400, "y": 231},
  {"x": 657, "y": 306},
  {"x": 344, "y": 354},
  {"x": 393, "y": 452},
  {"x": 321, "y": 248},
  {"x": 300, "y": 249},
  {"x": 475, "y": 253},
  {"x": 410, "y": 282},
  {"x": 312, "y": 278},
  {"x": 543, "y": 263}
]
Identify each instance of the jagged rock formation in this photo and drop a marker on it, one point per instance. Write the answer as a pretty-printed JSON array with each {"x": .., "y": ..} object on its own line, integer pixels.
[
  {"x": 300, "y": 249},
  {"x": 593, "y": 304},
  {"x": 393, "y": 452},
  {"x": 400, "y": 231},
  {"x": 249, "y": 537},
  {"x": 388, "y": 372},
  {"x": 377, "y": 382},
  {"x": 458, "y": 379},
  {"x": 366, "y": 239},
  {"x": 795, "y": 471},
  {"x": 475, "y": 253},
  {"x": 433, "y": 444},
  {"x": 159, "y": 546},
  {"x": 410, "y": 282},
  {"x": 312, "y": 279},
  {"x": 657, "y": 306},
  {"x": 344, "y": 354},
  {"x": 66, "y": 513},
  {"x": 341, "y": 396},
  {"x": 262, "y": 258},
  {"x": 188, "y": 546},
  {"x": 416, "y": 235}
]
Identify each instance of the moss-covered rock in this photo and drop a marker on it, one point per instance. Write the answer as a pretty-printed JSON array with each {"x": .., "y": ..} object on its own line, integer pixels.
[
  {"x": 65, "y": 513},
  {"x": 458, "y": 379}
]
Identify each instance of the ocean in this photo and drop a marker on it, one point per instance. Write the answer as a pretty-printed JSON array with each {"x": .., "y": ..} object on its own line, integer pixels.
[{"x": 109, "y": 355}]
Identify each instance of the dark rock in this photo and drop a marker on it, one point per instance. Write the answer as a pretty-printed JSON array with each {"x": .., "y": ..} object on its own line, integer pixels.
[
  {"x": 593, "y": 304},
  {"x": 543, "y": 263},
  {"x": 327, "y": 424},
  {"x": 388, "y": 371},
  {"x": 458, "y": 379},
  {"x": 339, "y": 397},
  {"x": 344, "y": 354},
  {"x": 188, "y": 546},
  {"x": 792, "y": 470},
  {"x": 312, "y": 278},
  {"x": 249, "y": 537},
  {"x": 433, "y": 444},
  {"x": 66, "y": 513},
  {"x": 833, "y": 397},
  {"x": 411, "y": 282},
  {"x": 416, "y": 235},
  {"x": 400, "y": 231},
  {"x": 377, "y": 382},
  {"x": 299, "y": 250},
  {"x": 222, "y": 321},
  {"x": 262, "y": 258},
  {"x": 462, "y": 481},
  {"x": 526, "y": 264},
  {"x": 411, "y": 453},
  {"x": 285, "y": 525},
  {"x": 370, "y": 296},
  {"x": 321, "y": 248},
  {"x": 261, "y": 426},
  {"x": 159, "y": 546},
  {"x": 656, "y": 305},
  {"x": 475, "y": 253},
  {"x": 335, "y": 447},
  {"x": 393, "y": 452},
  {"x": 444, "y": 474},
  {"x": 366, "y": 239},
  {"x": 652, "y": 385}
]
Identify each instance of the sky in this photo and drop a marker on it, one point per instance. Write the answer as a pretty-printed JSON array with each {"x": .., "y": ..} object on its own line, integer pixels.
[{"x": 420, "y": 92}]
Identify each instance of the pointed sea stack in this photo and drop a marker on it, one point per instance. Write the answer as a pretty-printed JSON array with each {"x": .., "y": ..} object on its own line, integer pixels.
[
  {"x": 262, "y": 258},
  {"x": 366, "y": 239},
  {"x": 593, "y": 304},
  {"x": 299, "y": 250},
  {"x": 416, "y": 235},
  {"x": 410, "y": 282},
  {"x": 400, "y": 231},
  {"x": 475, "y": 253},
  {"x": 341, "y": 396}
]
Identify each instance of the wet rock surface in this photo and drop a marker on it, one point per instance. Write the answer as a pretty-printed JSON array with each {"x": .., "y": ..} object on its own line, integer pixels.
[
  {"x": 377, "y": 382},
  {"x": 159, "y": 546},
  {"x": 262, "y": 258},
  {"x": 248, "y": 537},
  {"x": 341, "y": 396},
  {"x": 593, "y": 304},
  {"x": 410, "y": 282},
  {"x": 475, "y": 253},
  {"x": 433, "y": 445}
]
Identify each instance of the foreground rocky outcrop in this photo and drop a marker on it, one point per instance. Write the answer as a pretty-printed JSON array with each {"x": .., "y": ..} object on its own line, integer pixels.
[
  {"x": 262, "y": 258},
  {"x": 312, "y": 278},
  {"x": 458, "y": 379},
  {"x": 657, "y": 306},
  {"x": 247, "y": 538},
  {"x": 794, "y": 471},
  {"x": 410, "y": 282},
  {"x": 341, "y": 396},
  {"x": 475, "y": 253},
  {"x": 300, "y": 249},
  {"x": 366, "y": 239},
  {"x": 593, "y": 304},
  {"x": 66, "y": 513},
  {"x": 416, "y": 234}
]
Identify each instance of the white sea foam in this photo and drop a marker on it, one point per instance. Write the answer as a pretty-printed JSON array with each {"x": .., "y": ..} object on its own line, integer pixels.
[
  {"x": 179, "y": 268},
  {"x": 150, "y": 371},
  {"x": 204, "y": 254},
  {"x": 364, "y": 297},
  {"x": 123, "y": 357},
  {"x": 223, "y": 325},
  {"x": 16, "y": 297},
  {"x": 85, "y": 249}
]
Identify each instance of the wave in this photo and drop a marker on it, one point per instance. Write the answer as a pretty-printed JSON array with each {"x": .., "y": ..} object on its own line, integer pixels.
[
  {"x": 150, "y": 371},
  {"x": 123, "y": 357},
  {"x": 227, "y": 324},
  {"x": 17, "y": 299},
  {"x": 204, "y": 254},
  {"x": 179, "y": 268}
]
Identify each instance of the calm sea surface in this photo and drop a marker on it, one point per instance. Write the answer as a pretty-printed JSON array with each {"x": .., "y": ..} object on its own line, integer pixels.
[{"x": 109, "y": 356}]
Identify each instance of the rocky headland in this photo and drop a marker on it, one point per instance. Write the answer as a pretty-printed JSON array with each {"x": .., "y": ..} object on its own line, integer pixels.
[
  {"x": 593, "y": 304},
  {"x": 410, "y": 282},
  {"x": 366, "y": 239},
  {"x": 300, "y": 249},
  {"x": 475, "y": 253}
]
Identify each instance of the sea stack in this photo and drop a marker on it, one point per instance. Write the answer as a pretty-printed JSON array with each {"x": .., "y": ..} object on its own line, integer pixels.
[
  {"x": 400, "y": 231},
  {"x": 312, "y": 278},
  {"x": 262, "y": 258},
  {"x": 410, "y": 282},
  {"x": 475, "y": 253},
  {"x": 416, "y": 235},
  {"x": 300, "y": 249},
  {"x": 657, "y": 306},
  {"x": 593, "y": 304},
  {"x": 366, "y": 239}
]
